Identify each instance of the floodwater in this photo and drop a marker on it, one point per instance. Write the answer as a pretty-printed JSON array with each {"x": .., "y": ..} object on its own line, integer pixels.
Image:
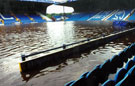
[{"x": 26, "y": 39}]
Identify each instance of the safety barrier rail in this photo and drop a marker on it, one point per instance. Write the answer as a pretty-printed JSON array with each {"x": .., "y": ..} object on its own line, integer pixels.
[
  {"x": 116, "y": 24},
  {"x": 81, "y": 46},
  {"x": 23, "y": 57}
]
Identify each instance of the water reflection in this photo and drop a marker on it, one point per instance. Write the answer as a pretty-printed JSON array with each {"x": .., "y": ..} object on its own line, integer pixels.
[
  {"x": 60, "y": 33},
  {"x": 35, "y": 37},
  {"x": 86, "y": 58}
]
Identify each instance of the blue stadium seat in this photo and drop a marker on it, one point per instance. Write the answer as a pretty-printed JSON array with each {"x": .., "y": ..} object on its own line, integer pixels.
[
  {"x": 0, "y": 22},
  {"x": 115, "y": 62},
  {"x": 131, "y": 71},
  {"x": 106, "y": 66},
  {"x": 79, "y": 82},
  {"x": 134, "y": 59},
  {"x": 129, "y": 79},
  {"x": 128, "y": 53},
  {"x": 92, "y": 77},
  {"x": 9, "y": 21},
  {"x": 37, "y": 18},
  {"x": 129, "y": 64},
  {"x": 87, "y": 16},
  {"x": 123, "y": 57},
  {"x": 84, "y": 75},
  {"x": 109, "y": 83},
  {"x": 76, "y": 17},
  {"x": 96, "y": 76},
  {"x": 24, "y": 19},
  {"x": 132, "y": 48},
  {"x": 120, "y": 75},
  {"x": 69, "y": 83}
]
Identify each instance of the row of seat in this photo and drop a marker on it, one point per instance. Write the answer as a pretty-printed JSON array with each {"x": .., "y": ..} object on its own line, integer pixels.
[
  {"x": 87, "y": 16},
  {"x": 101, "y": 15},
  {"x": 124, "y": 77},
  {"x": 37, "y": 18},
  {"x": 0, "y": 22},
  {"x": 10, "y": 20},
  {"x": 76, "y": 17},
  {"x": 101, "y": 72}
]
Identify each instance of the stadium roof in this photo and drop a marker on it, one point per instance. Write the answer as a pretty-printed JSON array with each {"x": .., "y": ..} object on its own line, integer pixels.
[{"x": 49, "y": 1}]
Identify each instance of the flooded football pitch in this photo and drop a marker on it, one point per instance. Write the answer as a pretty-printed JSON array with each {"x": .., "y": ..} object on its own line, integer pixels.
[{"x": 26, "y": 39}]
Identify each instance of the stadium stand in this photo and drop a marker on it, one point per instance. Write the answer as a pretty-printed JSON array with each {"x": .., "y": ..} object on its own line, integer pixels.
[
  {"x": 23, "y": 19},
  {"x": 99, "y": 75},
  {"x": 99, "y": 16},
  {"x": 87, "y": 16},
  {"x": 76, "y": 17},
  {"x": 102, "y": 15},
  {"x": 96, "y": 16},
  {"x": 128, "y": 79},
  {"x": 9, "y": 21},
  {"x": 132, "y": 17},
  {"x": 37, "y": 18},
  {"x": 120, "y": 15},
  {"x": 0, "y": 22}
]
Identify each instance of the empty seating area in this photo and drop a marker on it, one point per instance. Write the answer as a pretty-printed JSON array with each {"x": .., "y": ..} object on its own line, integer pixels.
[
  {"x": 9, "y": 20},
  {"x": 12, "y": 19},
  {"x": 100, "y": 16},
  {"x": 103, "y": 15},
  {"x": 89, "y": 16},
  {"x": 100, "y": 74},
  {"x": 76, "y": 17},
  {"x": 0, "y": 22},
  {"x": 37, "y": 18},
  {"x": 23, "y": 19}
]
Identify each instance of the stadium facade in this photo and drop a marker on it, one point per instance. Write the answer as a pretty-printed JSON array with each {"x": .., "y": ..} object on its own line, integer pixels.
[
  {"x": 26, "y": 6},
  {"x": 6, "y": 6},
  {"x": 89, "y": 5},
  {"x": 32, "y": 6}
]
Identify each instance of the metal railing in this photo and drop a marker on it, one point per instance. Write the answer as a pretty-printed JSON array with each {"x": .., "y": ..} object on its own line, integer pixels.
[{"x": 64, "y": 46}]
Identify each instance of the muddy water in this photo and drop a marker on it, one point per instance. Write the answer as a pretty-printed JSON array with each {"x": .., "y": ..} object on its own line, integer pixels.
[{"x": 15, "y": 40}]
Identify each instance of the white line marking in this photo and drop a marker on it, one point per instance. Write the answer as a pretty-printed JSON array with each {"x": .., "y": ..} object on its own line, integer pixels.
[
  {"x": 110, "y": 15},
  {"x": 129, "y": 14},
  {"x": 6, "y": 18},
  {"x": 94, "y": 16}
]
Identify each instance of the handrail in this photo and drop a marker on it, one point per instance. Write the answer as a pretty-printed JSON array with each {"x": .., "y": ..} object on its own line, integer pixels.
[{"x": 23, "y": 56}]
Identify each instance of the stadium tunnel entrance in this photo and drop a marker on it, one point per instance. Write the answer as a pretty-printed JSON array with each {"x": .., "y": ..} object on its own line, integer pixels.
[
  {"x": 57, "y": 9},
  {"x": 58, "y": 12}
]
